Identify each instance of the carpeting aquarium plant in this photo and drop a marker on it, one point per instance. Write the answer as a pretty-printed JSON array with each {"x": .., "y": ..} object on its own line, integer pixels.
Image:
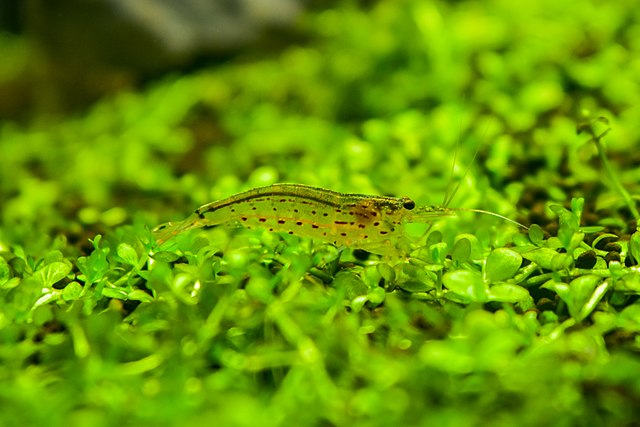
[{"x": 468, "y": 320}]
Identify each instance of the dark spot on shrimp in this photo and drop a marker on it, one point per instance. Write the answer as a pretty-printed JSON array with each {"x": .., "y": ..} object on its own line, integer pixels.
[
  {"x": 291, "y": 232},
  {"x": 325, "y": 214},
  {"x": 361, "y": 226},
  {"x": 244, "y": 218},
  {"x": 340, "y": 222},
  {"x": 343, "y": 234},
  {"x": 262, "y": 219},
  {"x": 384, "y": 232},
  {"x": 315, "y": 226},
  {"x": 375, "y": 224},
  {"x": 281, "y": 221},
  {"x": 299, "y": 223},
  {"x": 313, "y": 212}
]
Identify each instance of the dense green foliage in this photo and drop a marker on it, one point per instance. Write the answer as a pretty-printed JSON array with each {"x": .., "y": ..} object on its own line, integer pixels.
[{"x": 481, "y": 321}]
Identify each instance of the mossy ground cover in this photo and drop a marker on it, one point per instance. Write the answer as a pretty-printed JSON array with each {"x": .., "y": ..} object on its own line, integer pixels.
[{"x": 480, "y": 322}]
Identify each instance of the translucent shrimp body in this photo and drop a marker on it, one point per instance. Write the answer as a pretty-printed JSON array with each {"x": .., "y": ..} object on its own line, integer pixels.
[{"x": 372, "y": 223}]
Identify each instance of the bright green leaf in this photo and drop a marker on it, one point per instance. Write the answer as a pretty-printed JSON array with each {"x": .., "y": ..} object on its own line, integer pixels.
[
  {"x": 414, "y": 286},
  {"x": 260, "y": 289},
  {"x": 111, "y": 292},
  {"x": 548, "y": 258},
  {"x": 508, "y": 293},
  {"x": 386, "y": 271},
  {"x": 5, "y": 272},
  {"x": 11, "y": 283},
  {"x": 127, "y": 254},
  {"x": 139, "y": 295},
  {"x": 634, "y": 245},
  {"x": 52, "y": 273},
  {"x": 376, "y": 296},
  {"x": 434, "y": 237},
  {"x": 438, "y": 252},
  {"x": 166, "y": 256},
  {"x": 461, "y": 250},
  {"x": 467, "y": 284},
  {"x": 502, "y": 264},
  {"x": 576, "y": 294},
  {"x": 536, "y": 235},
  {"x": 351, "y": 283},
  {"x": 581, "y": 290},
  {"x": 72, "y": 291}
]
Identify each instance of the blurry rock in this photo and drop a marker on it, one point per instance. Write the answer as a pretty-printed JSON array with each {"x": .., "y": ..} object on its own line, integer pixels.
[
  {"x": 150, "y": 35},
  {"x": 91, "y": 47}
]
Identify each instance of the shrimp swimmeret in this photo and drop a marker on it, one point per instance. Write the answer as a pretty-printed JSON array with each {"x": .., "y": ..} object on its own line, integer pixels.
[{"x": 371, "y": 223}]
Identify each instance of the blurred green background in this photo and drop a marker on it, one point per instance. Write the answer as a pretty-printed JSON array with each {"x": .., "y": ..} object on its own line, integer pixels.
[{"x": 115, "y": 119}]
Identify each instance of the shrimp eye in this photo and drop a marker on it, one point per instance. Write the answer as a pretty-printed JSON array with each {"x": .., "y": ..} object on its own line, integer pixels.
[{"x": 409, "y": 204}]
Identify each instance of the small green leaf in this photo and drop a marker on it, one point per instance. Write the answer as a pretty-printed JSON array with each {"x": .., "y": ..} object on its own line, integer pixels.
[
  {"x": 581, "y": 290},
  {"x": 629, "y": 318},
  {"x": 502, "y": 264},
  {"x": 95, "y": 266},
  {"x": 592, "y": 229},
  {"x": 116, "y": 293},
  {"x": 165, "y": 256},
  {"x": 575, "y": 241},
  {"x": 536, "y": 235},
  {"x": 129, "y": 255},
  {"x": 434, "y": 237},
  {"x": 376, "y": 296},
  {"x": 569, "y": 225},
  {"x": 577, "y": 207},
  {"x": 52, "y": 273},
  {"x": 562, "y": 289},
  {"x": 467, "y": 284},
  {"x": 11, "y": 283},
  {"x": 139, "y": 295},
  {"x": 47, "y": 298},
  {"x": 548, "y": 258},
  {"x": 447, "y": 356},
  {"x": 19, "y": 266},
  {"x": 576, "y": 294},
  {"x": 351, "y": 283},
  {"x": 72, "y": 291},
  {"x": 461, "y": 250},
  {"x": 386, "y": 271},
  {"x": 260, "y": 289},
  {"x": 634, "y": 245},
  {"x": 414, "y": 286},
  {"x": 508, "y": 293},
  {"x": 629, "y": 282},
  {"x": 594, "y": 299},
  {"x": 5, "y": 272},
  {"x": 438, "y": 252}
]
